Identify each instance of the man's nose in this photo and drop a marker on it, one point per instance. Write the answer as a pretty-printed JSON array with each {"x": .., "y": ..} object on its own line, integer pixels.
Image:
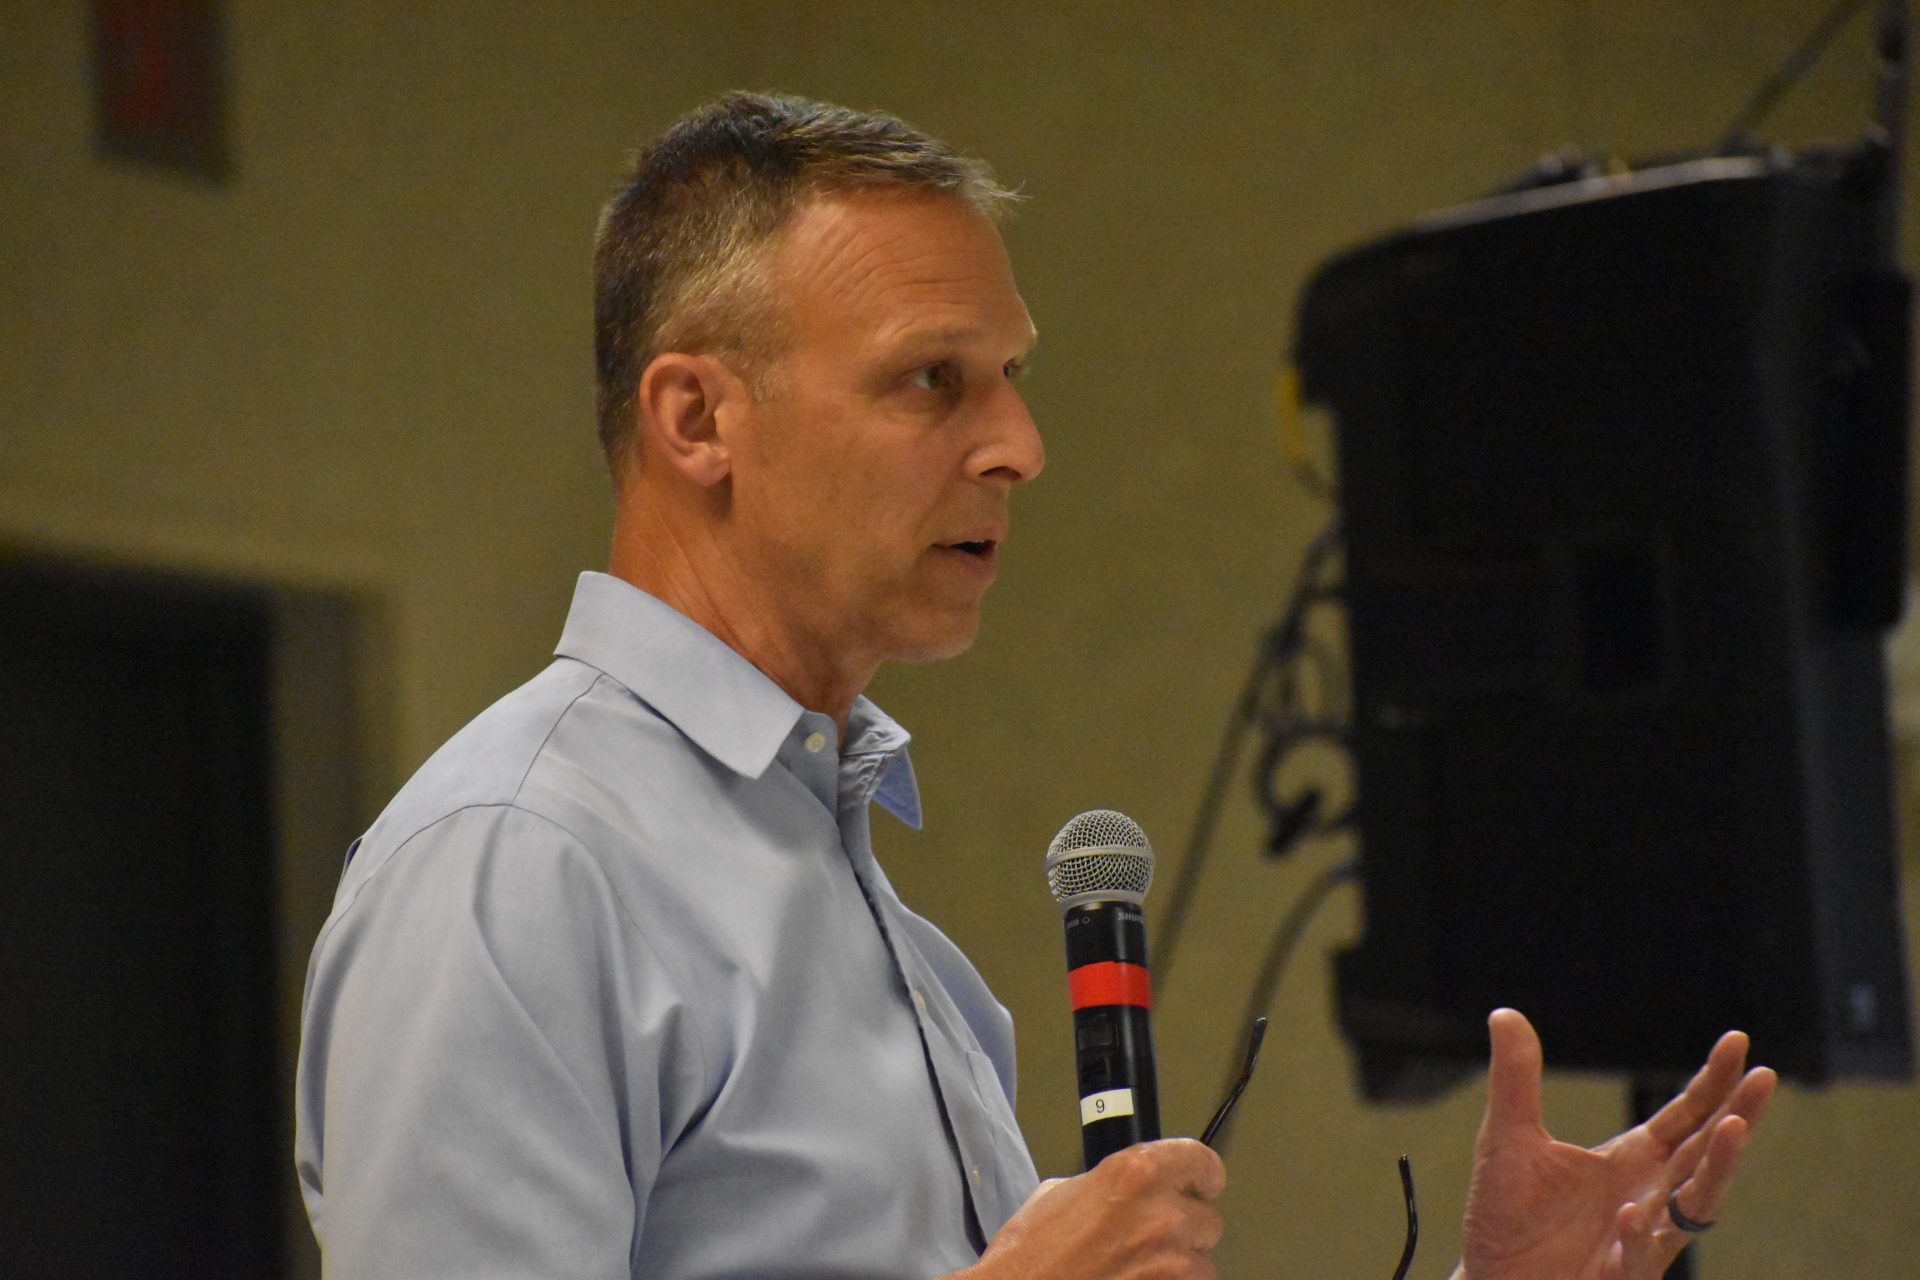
[{"x": 1013, "y": 450}]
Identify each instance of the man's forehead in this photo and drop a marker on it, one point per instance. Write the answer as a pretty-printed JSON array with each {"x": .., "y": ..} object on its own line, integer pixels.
[{"x": 923, "y": 265}]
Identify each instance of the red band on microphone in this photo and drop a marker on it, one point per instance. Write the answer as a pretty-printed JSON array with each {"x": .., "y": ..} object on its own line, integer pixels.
[{"x": 1110, "y": 982}]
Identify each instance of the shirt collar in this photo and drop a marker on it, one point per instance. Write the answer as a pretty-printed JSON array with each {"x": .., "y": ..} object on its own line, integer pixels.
[
  {"x": 724, "y": 704},
  {"x": 872, "y": 732}
]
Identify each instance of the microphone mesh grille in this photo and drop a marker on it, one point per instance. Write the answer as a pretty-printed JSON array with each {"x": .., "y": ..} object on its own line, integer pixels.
[
  {"x": 1099, "y": 827},
  {"x": 1099, "y": 856}
]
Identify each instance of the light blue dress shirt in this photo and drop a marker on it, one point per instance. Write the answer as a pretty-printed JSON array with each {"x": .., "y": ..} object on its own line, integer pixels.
[{"x": 615, "y": 987}]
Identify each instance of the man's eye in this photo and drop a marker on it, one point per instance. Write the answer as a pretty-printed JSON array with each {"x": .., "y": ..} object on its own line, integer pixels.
[{"x": 935, "y": 377}]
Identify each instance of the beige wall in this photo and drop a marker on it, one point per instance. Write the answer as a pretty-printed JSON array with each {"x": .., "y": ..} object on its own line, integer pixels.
[{"x": 363, "y": 368}]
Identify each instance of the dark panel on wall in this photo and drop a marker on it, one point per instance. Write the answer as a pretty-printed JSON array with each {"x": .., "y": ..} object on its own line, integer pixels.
[
  {"x": 160, "y": 87},
  {"x": 139, "y": 1116}
]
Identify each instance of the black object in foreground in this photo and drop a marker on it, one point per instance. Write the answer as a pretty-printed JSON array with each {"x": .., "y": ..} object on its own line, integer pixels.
[
  {"x": 1219, "y": 1120},
  {"x": 1623, "y": 468},
  {"x": 1413, "y": 1220}
]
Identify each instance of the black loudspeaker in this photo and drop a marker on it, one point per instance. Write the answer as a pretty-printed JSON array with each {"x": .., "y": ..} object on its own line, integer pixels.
[{"x": 1622, "y": 483}]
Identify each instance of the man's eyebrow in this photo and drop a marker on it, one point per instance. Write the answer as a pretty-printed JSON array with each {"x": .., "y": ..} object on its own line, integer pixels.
[{"x": 938, "y": 336}]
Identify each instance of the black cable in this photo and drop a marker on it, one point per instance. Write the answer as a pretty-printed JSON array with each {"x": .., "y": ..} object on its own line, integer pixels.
[
  {"x": 1291, "y": 929},
  {"x": 1329, "y": 672},
  {"x": 1200, "y": 839},
  {"x": 1277, "y": 651},
  {"x": 1308, "y": 706},
  {"x": 1791, "y": 72},
  {"x": 1316, "y": 482},
  {"x": 1293, "y": 818}
]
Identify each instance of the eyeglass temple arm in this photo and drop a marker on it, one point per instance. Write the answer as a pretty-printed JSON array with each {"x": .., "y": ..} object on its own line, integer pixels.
[
  {"x": 1214, "y": 1125},
  {"x": 1219, "y": 1121},
  {"x": 1413, "y": 1220}
]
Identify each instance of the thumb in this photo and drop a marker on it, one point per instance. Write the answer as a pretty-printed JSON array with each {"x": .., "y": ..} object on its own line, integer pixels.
[{"x": 1513, "y": 1075}]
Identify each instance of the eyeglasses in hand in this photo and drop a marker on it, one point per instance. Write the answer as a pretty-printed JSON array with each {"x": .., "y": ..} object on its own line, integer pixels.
[{"x": 1215, "y": 1125}]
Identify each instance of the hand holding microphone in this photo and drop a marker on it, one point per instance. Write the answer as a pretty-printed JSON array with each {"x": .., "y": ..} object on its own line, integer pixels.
[
  {"x": 1142, "y": 1212},
  {"x": 1099, "y": 869},
  {"x": 1141, "y": 1209}
]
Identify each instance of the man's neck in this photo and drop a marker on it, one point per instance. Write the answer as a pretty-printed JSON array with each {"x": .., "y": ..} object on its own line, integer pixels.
[{"x": 690, "y": 573}]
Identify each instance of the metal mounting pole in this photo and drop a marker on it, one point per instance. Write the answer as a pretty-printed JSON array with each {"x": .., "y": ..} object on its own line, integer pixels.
[{"x": 1888, "y": 133}]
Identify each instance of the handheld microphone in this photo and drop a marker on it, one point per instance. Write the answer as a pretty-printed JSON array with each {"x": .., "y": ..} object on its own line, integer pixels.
[{"x": 1099, "y": 868}]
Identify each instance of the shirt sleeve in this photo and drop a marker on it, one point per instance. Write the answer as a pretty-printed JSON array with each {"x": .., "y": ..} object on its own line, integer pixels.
[{"x": 492, "y": 1062}]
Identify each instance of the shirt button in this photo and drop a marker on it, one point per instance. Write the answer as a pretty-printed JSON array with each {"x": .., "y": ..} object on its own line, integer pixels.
[
  {"x": 919, "y": 1001},
  {"x": 975, "y": 1172},
  {"x": 815, "y": 741}
]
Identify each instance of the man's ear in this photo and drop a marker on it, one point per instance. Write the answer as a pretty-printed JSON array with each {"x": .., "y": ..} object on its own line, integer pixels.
[{"x": 682, "y": 402}]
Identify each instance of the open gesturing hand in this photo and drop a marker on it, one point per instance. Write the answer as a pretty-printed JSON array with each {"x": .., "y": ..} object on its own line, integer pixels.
[{"x": 1545, "y": 1210}]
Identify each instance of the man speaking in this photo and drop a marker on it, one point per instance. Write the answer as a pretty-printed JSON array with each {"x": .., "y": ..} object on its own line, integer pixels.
[{"x": 614, "y": 986}]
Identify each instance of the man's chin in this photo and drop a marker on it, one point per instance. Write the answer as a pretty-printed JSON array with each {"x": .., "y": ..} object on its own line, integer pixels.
[{"x": 937, "y": 643}]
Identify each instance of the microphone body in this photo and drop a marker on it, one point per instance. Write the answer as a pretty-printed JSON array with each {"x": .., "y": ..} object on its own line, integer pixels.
[
  {"x": 1113, "y": 1042},
  {"x": 1099, "y": 868}
]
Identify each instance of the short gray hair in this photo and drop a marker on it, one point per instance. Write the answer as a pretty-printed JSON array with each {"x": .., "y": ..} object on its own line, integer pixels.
[{"x": 679, "y": 260}]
